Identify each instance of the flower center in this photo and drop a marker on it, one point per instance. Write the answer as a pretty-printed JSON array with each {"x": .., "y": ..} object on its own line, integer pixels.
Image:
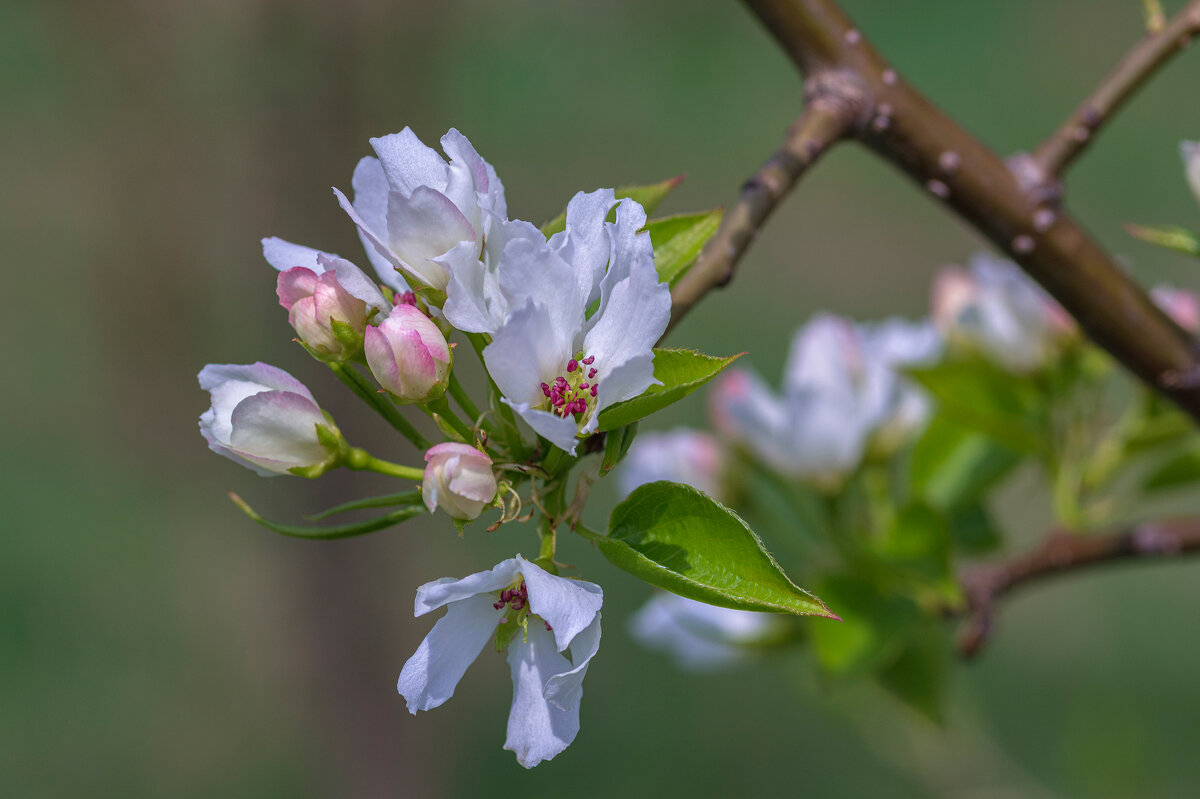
[
  {"x": 516, "y": 598},
  {"x": 573, "y": 393}
]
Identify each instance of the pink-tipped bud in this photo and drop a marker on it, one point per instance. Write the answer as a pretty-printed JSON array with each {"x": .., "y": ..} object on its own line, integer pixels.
[
  {"x": 408, "y": 355},
  {"x": 459, "y": 480},
  {"x": 327, "y": 318}
]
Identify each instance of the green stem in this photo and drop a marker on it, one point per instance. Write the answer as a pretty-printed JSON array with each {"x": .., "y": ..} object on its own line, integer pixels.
[
  {"x": 382, "y": 405},
  {"x": 464, "y": 401},
  {"x": 363, "y": 461},
  {"x": 441, "y": 406},
  {"x": 583, "y": 532},
  {"x": 549, "y": 536}
]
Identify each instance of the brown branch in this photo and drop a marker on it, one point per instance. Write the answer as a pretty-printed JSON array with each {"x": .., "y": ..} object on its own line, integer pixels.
[
  {"x": 1063, "y": 553},
  {"x": 1055, "y": 154},
  {"x": 824, "y": 121},
  {"x": 1004, "y": 202}
]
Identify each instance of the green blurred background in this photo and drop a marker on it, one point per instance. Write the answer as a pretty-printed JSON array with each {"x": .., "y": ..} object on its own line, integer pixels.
[{"x": 153, "y": 642}]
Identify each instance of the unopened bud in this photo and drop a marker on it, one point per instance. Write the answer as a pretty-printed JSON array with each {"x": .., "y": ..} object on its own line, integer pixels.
[
  {"x": 459, "y": 479},
  {"x": 408, "y": 355}
]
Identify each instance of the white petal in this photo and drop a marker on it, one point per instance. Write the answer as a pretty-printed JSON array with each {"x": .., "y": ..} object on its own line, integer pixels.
[
  {"x": 561, "y": 432},
  {"x": 632, "y": 251},
  {"x": 568, "y": 605},
  {"x": 356, "y": 283},
  {"x": 487, "y": 184},
  {"x": 531, "y": 272},
  {"x": 424, "y": 225},
  {"x": 537, "y": 730},
  {"x": 284, "y": 255},
  {"x": 278, "y": 427},
  {"x": 466, "y": 304},
  {"x": 430, "y": 676},
  {"x": 585, "y": 243},
  {"x": 376, "y": 239},
  {"x": 408, "y": 163},
  {"x": 565, "y": 690},
  {"x": 265, "y": 375},
  {"x": 370, "y": 201},
  {"x": 432, "y": 596},
  {"x": 526, "y": 351},
  {"x": 636, "y": 316},
  {"x": 824, "y": 355},
  {"x": 467, "y": 178},
  {"x": 625, "y": 382},
  {"x": 1190, "y": 151}
]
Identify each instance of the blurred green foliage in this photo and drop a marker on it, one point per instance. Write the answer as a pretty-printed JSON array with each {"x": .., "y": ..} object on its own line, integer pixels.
[{"x": 154, "y": 642}]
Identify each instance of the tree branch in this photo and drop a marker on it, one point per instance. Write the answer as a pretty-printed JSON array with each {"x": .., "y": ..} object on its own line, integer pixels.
[
  {"x": 1007, "y": 203},
  {"x": 1055, "y": 154},
  {"x": 825, "y": 120},
  {"x": 1063, "y": 553}
]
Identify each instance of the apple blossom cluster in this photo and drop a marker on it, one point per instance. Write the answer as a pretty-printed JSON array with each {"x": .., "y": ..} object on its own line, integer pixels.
[{"x": 562, "y": 321}]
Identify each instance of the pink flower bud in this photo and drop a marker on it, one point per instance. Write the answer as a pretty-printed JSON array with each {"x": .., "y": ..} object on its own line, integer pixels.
[
  {"x": 408, "y": 355},
  {"x": 315, "y": 303},
  {"x": 1180, "y": 305},
  {"x": 458, "y": 478}
]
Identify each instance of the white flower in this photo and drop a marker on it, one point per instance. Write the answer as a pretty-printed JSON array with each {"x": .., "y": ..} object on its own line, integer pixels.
[
  {"x": 994, "y": 309},
  {"x": 1190, "y": 150},
  {"x": 841, "y": 392},
  {"x": 557, "y": 366},
  {"x": 411, "y": 206},
  {"x": 264, "y": 419},
  {"x": 701, "y": 636},
  {"x": 681, "y": 456},
  {"x": 561, "y": 618}
]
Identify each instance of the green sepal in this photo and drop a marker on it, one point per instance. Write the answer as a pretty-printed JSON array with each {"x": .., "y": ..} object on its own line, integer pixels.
[
  {"x": 677, "y": 538},
  {"x": 648, "y": 196},
  {"x": 330, "y": 438},
  {"x": 508, "y": 629},
  {"x": 326, "y": 533},
  {"x": 679, "y": 239},
  {"x": 680, "y": 371},
  {"x": 448, "y": 429},
  {"x": 616, "y": 447},
  {"x": 1173, "y": 238},
  {"x": 382, "y": 501}
]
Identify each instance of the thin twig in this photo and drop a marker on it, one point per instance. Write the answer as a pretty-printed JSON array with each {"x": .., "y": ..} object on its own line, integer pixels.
[
  {"x": 823, "y": 122},
  {"x": 1063, "y": 553},
  {"x": 1003, "y": 202},
  {"x": 1055, "y": 154}
]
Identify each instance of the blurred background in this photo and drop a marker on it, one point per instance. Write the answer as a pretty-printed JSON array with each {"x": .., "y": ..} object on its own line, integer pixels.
[{"x": 154, "y": 642}]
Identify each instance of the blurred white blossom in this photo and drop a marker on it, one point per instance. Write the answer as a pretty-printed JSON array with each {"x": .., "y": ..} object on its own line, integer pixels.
[
  {"x": 700, "y": 636},
  {"x": 681, "y": 456}
]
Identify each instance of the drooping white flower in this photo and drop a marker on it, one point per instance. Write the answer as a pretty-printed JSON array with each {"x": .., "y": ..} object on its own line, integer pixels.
[
  {"x": 1190, "y": 150},
  {"x": 841, "y": 392},
  {"x": 284, "y": 255},
  {"x": 698, "y": 636},
  {"x": 459, "y": 478},
  {"x": 264, "y": 419},
  {"x": 994, "y": 309},
  {"x": 557, "y": 366},
  {"x": 548, "y": 658},
  {"x": 681, "y": 456},
  {"x": 411, "y": 206}
]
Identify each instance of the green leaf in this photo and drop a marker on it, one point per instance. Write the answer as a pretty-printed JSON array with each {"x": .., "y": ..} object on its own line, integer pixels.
[
  {"x": 1007, "y": 408},
  {"x": 953, "y": 466},
  {"x": 917, "y": 541},
  {"x": 1177, "y": 472},
  {"x": 973, "y": 532},
  {"x": 326, "y": 533},
  {"x": 677, "y": 538},
  {"x": 678, "y": 240},
  {"x": 874, "y": 630},
  {"x": 382, "y": 501},
  {"x": 918, "y": 675},
  {"x": 1173, "y": 238},
  {"x": 680, "y": 371},
  {"x": 648, "y": 196}
]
